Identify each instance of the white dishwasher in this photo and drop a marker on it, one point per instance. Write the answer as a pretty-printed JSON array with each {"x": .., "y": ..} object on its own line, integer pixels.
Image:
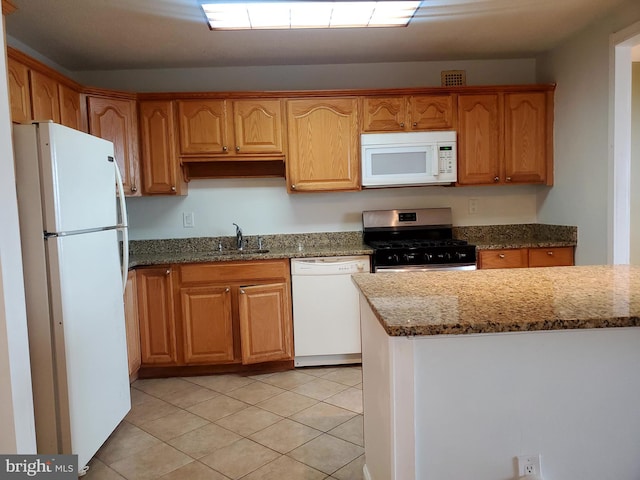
[{"x": 326, "y": 310}]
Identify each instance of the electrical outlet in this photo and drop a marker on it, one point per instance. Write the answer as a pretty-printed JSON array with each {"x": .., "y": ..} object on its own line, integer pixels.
[
  {"x": 187, "y": 220},
  {"x": 530, "y": 466},
  {"x": 473, "y": 206}
]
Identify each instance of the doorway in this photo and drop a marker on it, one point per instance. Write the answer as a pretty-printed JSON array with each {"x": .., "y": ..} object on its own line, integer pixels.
[{"x": 620, "y": 199}]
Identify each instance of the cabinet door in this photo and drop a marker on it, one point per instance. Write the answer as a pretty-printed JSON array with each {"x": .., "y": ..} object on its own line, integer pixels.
[
  {"x": 323, "y": 145},
  {"x": 45, "y": 103},
  {"x": 257, "y": 126},
  {"x": 207, "y": 324},
  {"x": 384, "y": 114},
  {"x": 265, "y": 323},
  {"x": 525, "y": 137},
  {"x": 155, "y": 312},
  {"x": 551, "y": 257},
  {"x": 431, "y": 112},
  {"x": 71, "y": 108},
  {"x": 507, "y": 258},
  {"x": 132, "y": 324},
  {"x": 203, "y": 127},
  {"x": 18, "y": 79},
  {"x": 479, "y": 139},
  {"x": 158, "y": 155},
  {"x": 115, "y": 120}
]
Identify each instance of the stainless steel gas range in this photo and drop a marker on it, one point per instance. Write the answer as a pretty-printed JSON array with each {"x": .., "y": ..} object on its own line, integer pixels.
[{"x": 415, "y": 240}]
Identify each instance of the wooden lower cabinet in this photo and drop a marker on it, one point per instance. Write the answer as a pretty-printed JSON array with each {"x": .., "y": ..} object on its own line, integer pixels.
[
  {"x": 526, "y": 257},
  {"x": 219, "y": 316},
  {"x": 132, "y": 325},
  {"x": 207, "y": 325},
  {"x": 551, "y": 257},
  {"x": 265, "y": 323},
  {"x": 156, "y": 316}
]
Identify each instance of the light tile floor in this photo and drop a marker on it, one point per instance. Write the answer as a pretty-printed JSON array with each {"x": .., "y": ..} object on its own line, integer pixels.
[{"x": 303, "y": 424}]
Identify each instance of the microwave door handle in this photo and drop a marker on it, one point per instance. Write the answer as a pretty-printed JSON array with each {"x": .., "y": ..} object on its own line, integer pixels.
[{"x": 435, "y": 164}]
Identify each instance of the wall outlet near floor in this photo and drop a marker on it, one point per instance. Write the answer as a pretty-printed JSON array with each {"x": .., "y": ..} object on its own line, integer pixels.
[
  {"x": 530, "y": 466},
  {"x": 187, "y": 220},
  {"x": 473, "y": 206}
]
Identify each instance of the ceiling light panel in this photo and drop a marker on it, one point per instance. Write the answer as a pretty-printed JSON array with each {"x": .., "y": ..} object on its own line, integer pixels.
[{"x": 308, "y": 14}]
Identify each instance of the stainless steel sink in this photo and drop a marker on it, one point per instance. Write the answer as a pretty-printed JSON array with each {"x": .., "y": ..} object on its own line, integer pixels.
[{"x": 242, "y": 252}]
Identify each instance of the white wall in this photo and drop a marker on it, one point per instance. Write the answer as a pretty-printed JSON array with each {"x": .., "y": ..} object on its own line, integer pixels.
[
  {"x": 17, "y": 432},
  {"x": 580, "y": 194},
  {"x": 262, "y": 206},
  {"x": 311, "y": 77},
  {"x": 635, "y": 162}
]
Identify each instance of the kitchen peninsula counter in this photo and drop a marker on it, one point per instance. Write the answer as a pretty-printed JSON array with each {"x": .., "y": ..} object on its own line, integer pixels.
[
  {"x": 489, "y": 365},
  {"x": 504, "y": 300}
]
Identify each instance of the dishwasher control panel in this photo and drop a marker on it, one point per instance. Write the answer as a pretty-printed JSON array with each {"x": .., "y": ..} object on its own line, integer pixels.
[{"x": 330, "y": 265}]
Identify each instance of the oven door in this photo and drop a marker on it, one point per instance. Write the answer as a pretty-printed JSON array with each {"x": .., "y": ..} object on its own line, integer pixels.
[{"x": 425, "y": 268}]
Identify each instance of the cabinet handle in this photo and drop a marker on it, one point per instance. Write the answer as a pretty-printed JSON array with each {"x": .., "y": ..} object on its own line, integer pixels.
[
  {"x": 402, "y": 124},
  {"x": 496, "y": 179},
  {"x": 173, "y": 188},
  {"x": 237, "y": 148},
  {"x": 168, "y": 271},
  {"x": 508, "y": 179},
  {"x": 415, "y": 124},
  {"x": 293, "y": 187},
  {"x": 227, "y": 290},
  {"x": 550, "y": 253},
  {"x": 501, "y": 255},
  {"x": 242, "y": 292},
  {"x": 134, "y": 189},
  {"x": 224, "y": 149}
]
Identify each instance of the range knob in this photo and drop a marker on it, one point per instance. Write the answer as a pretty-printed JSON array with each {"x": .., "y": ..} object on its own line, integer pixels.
[
  {"x": 393, "y": 259},
  {"x": 461, "y": 255},
  {"x": 409, "y": 257},
  {"x": 428, "y": 257}
]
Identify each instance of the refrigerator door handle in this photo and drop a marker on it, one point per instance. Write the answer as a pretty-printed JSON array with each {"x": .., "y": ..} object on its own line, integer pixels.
[{"x": 123, "y": 226}]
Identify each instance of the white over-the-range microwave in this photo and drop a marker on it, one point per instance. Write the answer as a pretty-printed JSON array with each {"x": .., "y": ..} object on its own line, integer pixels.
[{"x": 411, "y": 158}]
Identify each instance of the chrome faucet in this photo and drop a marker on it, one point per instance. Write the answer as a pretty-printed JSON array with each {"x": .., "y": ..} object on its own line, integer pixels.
[{"x": 238, "y": 236}]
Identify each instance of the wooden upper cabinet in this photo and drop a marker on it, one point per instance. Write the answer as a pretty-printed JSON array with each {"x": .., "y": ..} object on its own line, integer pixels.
[
  {"x": 156, "y": 316},
  {"x": 114, "y": 119},
  {"x": 230, "y": 127},
  {"x": 431, "y": 112},
  {"x": 479, "y": 139},
  {"x": 384, "y": 114},
  {"x": 19, "y": 93},
  {"x": 160, "y": 166},
  {"x": 45, "y": 100},
  {"x": 71, "y": 108},
  {"x": 323, "y": 144},
  {"x": 203, "y": 127},
  {"x": 265, "y": 323},
  {"x": 257, "y": 126},
  {"x": 408, "y": 113},
  {"x": 525, "y": 137},
  {"x": 207, "y": 324}
]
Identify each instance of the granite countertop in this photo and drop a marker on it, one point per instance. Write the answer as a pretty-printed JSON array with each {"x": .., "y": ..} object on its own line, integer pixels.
[
  {"x": 206, "y": 249},
  {"x": 329, "y": 244},
  {"x": 165, "y": 258},
  {"x": 528, "y": 235},
  {"x": 506, "y": 300}
]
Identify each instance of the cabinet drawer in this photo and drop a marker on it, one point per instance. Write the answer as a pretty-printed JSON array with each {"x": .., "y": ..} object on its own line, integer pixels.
[
  {"x": 508, "y": 258},
  {"x": 551, "y": 257},
  {"x": 231, "y": 272}
]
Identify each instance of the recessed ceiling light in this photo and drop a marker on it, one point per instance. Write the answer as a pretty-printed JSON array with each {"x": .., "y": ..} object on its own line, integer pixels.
[{"x": 307, "y": 14}]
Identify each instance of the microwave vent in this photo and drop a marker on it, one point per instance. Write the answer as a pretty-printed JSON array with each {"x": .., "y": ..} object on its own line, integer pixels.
[{"x": 453, "y": 78}]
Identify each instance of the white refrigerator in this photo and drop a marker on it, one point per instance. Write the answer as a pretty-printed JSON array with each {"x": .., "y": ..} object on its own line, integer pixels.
[{"x": 71, "y": 226}]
